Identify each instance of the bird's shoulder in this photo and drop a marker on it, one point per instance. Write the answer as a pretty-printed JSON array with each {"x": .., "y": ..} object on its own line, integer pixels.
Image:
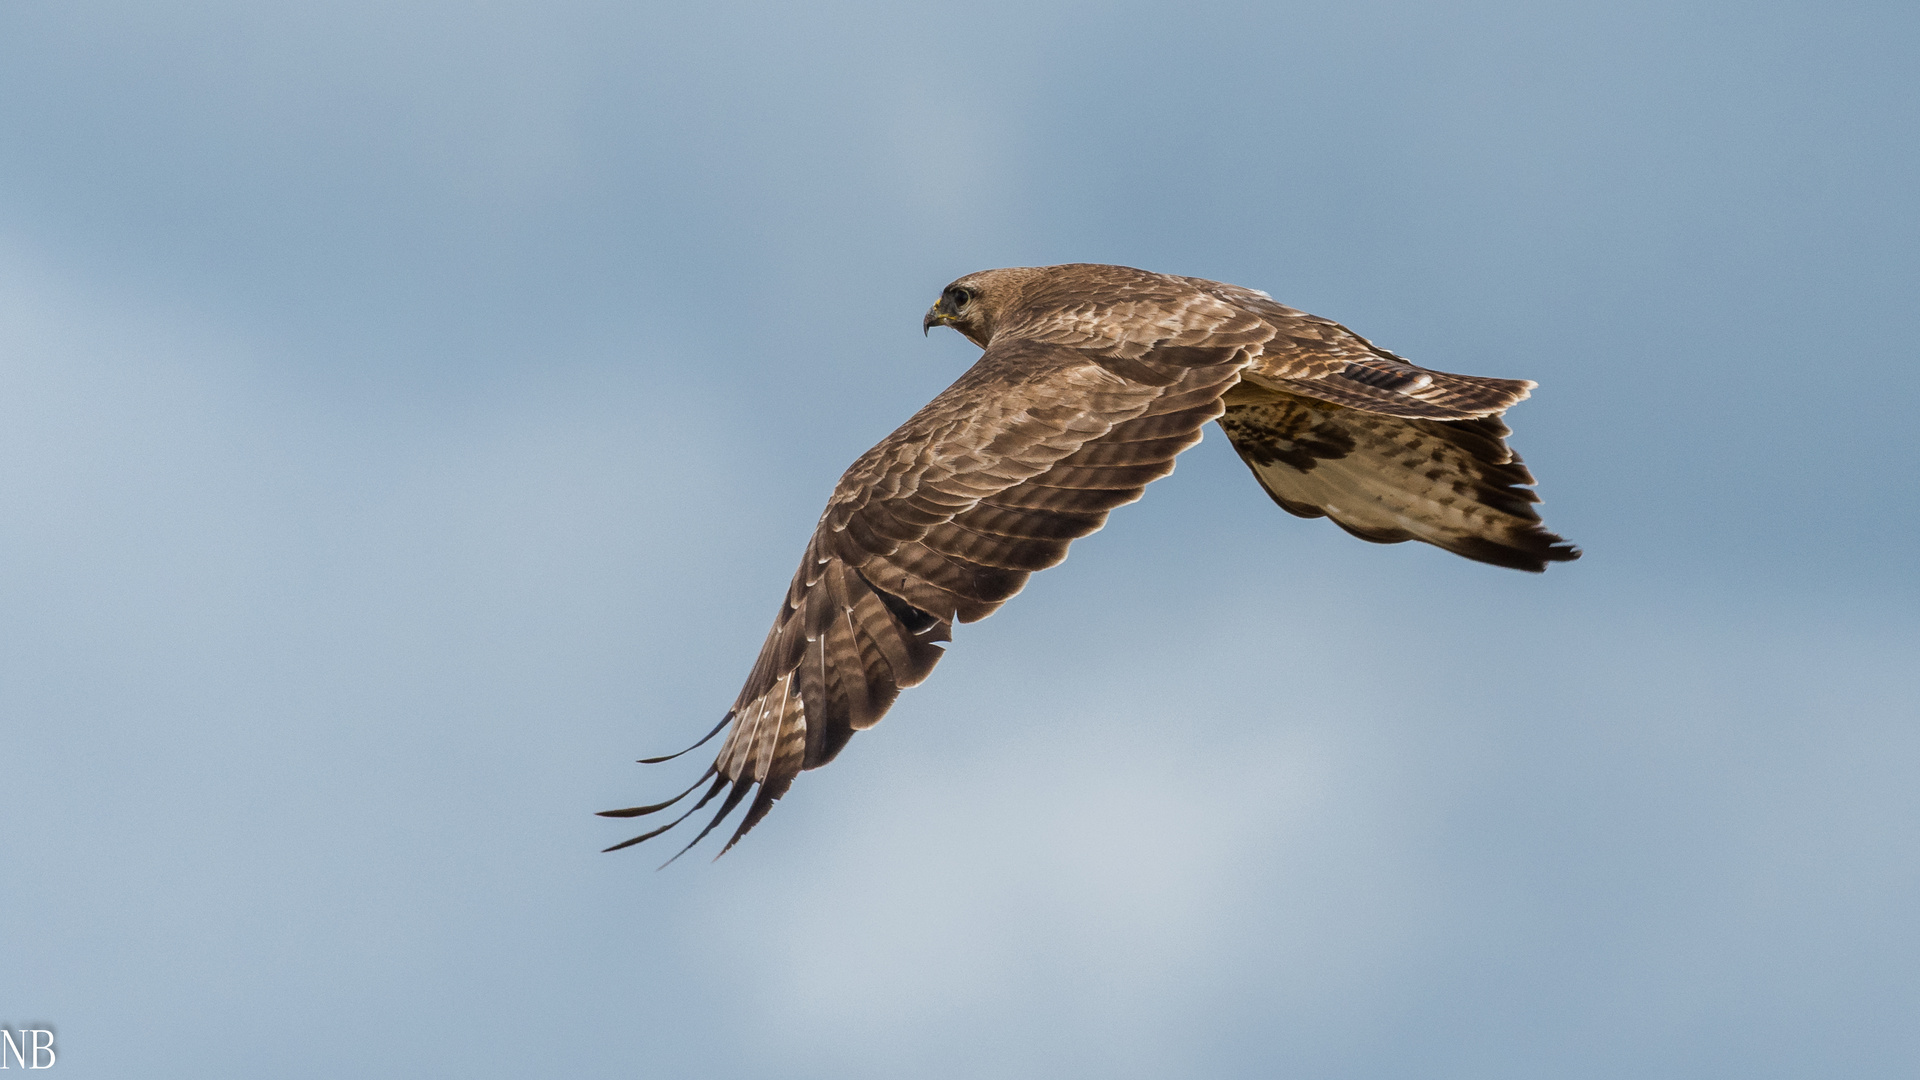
[
  {"x": 1117, "y": 309},
  {"x": 1022, "y": 402}
]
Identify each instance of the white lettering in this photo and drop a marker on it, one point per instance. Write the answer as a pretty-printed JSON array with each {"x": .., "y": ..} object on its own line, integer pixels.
[
  {"x": 8, "y": 1044},
  {"x": 39, "y": 1046}
]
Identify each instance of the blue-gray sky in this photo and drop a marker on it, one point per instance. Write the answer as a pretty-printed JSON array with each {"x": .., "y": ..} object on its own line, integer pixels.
[{"x": 411, "y": 413}]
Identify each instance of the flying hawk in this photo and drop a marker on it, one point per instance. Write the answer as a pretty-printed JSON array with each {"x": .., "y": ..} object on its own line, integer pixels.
[{"x": 1092, "y": 380}]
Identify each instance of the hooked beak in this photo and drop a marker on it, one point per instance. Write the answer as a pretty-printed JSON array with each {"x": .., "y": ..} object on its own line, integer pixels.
[{"x": 935, "y": 317}]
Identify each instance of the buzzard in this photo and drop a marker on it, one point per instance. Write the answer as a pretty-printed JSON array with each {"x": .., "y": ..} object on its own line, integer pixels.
[{"x": 1093, "y": 378}]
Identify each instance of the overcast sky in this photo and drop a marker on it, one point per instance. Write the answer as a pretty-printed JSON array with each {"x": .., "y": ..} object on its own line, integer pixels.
[{"x": 411, "y": 413}]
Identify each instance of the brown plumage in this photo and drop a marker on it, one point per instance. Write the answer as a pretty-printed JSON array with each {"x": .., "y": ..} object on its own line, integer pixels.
[{"x": 1093, "y": 379}]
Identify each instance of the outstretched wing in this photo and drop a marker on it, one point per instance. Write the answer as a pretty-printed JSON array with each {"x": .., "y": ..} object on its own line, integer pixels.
[
  {"x": 1387, "y": 479},
  {"x": 944, "y": 520}
]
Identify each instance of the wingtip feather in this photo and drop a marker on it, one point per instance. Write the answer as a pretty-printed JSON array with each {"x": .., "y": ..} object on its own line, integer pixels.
[
  {"x": 704, "y": 800},
  {"x": 740, "y": 788},
  {"x": 724, "y": 721},
  {"x": 652, "y": 808}
]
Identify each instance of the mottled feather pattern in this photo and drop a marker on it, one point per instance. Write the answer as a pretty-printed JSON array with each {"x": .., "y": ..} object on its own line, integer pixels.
[
  {"x": 1093, "y": 379},
  {"x": 1454, "y": 484}
]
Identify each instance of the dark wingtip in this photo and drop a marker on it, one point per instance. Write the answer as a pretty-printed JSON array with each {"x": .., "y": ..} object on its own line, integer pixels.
[
  {"x": 642, "y": 811},
  {"x": 724, "y": 721},
  {"x": 645, "y": 835},
  {"x": 770, "y": 792},
  {"x": 740, "y": 788},
  {"x": 1531, "y": 552},
  {"x": 704, "y": 800},
  {"x": 637, "y": 839},
  {"x": 1560, "y": 551}
]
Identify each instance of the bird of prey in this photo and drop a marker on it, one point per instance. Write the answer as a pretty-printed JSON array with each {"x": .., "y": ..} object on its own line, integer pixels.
[{"x": 1093, "y": 378}]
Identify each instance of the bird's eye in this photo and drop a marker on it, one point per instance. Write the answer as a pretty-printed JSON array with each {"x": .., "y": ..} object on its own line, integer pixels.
[{"x": 958, "y": 297}]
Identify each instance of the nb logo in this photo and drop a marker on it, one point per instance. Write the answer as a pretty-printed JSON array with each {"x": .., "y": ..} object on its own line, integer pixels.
[{"x": 31, "y": 1048}]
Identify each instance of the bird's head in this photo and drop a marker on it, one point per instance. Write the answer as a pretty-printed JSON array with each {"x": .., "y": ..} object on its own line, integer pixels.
[{"x": 974, "y": 304}]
